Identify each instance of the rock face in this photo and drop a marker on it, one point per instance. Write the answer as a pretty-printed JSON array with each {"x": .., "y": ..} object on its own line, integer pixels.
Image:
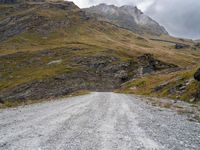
[
  {"x": 27, "y": 18},
  {"x": 149, "y": 64},
  {"x": 8, "y": 1},
  {"x": 96, "y": 73},
  {"x": 181, "y": 46},
  {"x": 72, "y": 66},
  {"x": 128, "y": 17},
  {"x": 197, "y": 75}
]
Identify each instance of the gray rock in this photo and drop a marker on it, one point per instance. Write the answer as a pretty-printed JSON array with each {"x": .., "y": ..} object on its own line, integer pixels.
[
  {"x": 8, "y": 1},
  {"x": 197, "y": 75},
  {"x": 181, "y": 46},
  {"x": 128, "y": 17}
]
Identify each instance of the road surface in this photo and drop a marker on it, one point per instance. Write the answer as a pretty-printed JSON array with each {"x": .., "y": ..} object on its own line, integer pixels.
[{"x": 98, "y": 121}]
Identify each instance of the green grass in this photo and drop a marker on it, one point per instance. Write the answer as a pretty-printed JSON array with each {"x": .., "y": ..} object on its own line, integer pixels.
[
  {"x": 146, "y": 85},
  {"x": 88, "y": 38}
]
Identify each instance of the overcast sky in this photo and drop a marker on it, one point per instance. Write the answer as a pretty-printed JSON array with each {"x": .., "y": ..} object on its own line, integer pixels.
[{"x": 181, "y": 18}]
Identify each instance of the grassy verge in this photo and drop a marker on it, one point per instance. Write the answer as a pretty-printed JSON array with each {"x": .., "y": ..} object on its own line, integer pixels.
[{"x": 176, "y": 85}]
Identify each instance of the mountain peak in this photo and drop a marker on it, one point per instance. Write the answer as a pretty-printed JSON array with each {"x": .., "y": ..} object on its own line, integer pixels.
[
  {"x": 129, "y": 7},
  {"x": 18, "y": 1},
  {"x": 127, "y": 16}
]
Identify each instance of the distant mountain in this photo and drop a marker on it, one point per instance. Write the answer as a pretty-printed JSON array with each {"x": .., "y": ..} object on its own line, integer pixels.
[{"x": 128, "y": 17}]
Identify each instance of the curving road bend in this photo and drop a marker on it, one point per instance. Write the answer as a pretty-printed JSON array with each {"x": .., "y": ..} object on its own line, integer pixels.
[{"x": 98, "y": 121}]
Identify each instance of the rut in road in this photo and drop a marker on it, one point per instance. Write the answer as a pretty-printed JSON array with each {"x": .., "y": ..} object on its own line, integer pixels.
[{"x": 98, "y": 121}]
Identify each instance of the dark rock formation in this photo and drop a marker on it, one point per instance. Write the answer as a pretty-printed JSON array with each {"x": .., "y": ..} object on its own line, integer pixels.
[
  {"x": 197, "y": 96},
  {"x": 181, "y": 46},
  {"x": 8, "y": 1},
  {"x": 31, "y": 20},
  {"x": 149, "y": 64},
  {"x": 1, "y": 101},
  {"x": 197, "y": 75},
  {"x": 98, "y": 73}
]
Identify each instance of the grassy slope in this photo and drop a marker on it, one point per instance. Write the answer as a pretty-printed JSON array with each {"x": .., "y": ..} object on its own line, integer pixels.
[
  {"x": 91, "y": 37},
  {"x": 172, "y": 82}
]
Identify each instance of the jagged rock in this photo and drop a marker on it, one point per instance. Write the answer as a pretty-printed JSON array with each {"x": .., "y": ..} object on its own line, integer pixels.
[
  {"x": 197, "y": 96},
  {"x": 123, "y": 75},
  {"x": 181, "y": 46},
  {"x": 197, "y": 75},
  {"x": 32, "y": 21},
  {"x": 161, "y": 87},
  {"x": 1, "y": 101},
  {"x": 128, "y": 17},
  {"x": 8, "y": 1},
  {"x": 149, "y": 64}
]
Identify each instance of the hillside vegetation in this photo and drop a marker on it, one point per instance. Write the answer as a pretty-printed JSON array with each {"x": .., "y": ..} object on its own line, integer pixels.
[{"x": 53, "y": 48}]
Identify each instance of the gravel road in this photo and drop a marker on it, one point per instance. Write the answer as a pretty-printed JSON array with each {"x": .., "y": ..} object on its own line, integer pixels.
[{"x": 98, "y": 121}]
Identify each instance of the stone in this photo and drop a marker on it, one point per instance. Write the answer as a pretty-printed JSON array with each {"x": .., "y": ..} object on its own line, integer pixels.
[
  {"x": 181, "y": 46},
  {"x": 8, "y": 1},
  {"x": 197, "y": 75},
  {"x": 1, "y": 101}
]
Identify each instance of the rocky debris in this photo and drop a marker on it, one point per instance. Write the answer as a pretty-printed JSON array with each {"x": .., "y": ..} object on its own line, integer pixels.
[
  {"x": 108, "y": 66},
  {"x": 197, "y": 75},
  {"x": 97, "y": 73},
  {"x": 128, "y": 17},
  {"x": 197, "y": 96},
  {"x": 8, "y": 1},
  {"x": 176, "y": 86},
  {"x": 122, "y": 74},
  {"x": 179, "y": 88},
  {"x": 161, "y": 86},
  {"x": 149, "y": 64},
  {"x": 197, "y": 78},
  {"x": 181, "y": 46},
  {"x": 1, "y": 101}
]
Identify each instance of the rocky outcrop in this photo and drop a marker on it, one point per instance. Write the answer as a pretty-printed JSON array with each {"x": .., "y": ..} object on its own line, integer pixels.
[
  {"x": 181, "y": 46},
  {"x": 74, "y": 65},
  {"x": 128, "y": 17},
  {"x": 28, "y": 18},
  {"x": 97, "y": 73},
  {"x": 197, "y": 75},
  {"x": 148, "y": 64},
  {"x": 8, "y": 1}
]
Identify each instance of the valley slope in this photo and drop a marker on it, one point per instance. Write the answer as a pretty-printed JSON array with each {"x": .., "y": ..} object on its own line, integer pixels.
[{"x": 53, "y": 48}]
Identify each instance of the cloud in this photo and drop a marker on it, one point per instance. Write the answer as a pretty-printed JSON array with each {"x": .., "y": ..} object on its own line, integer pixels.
[{"x": 179, "y": 17}]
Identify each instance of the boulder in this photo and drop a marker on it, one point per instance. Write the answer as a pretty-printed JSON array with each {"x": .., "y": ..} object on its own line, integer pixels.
[
  {"x": 197, "y": 97},
  {"x": 1, "y": 101},
  {"x": 8, "y": 1},
  {"x": 181, "y": 46},
  {"x": 197, "y": 75}
]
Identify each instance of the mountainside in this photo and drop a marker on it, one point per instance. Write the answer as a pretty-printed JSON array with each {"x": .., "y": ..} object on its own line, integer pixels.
[
  {"x": 128, "y": 17},
  {"x": 53, "y": 48}
]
